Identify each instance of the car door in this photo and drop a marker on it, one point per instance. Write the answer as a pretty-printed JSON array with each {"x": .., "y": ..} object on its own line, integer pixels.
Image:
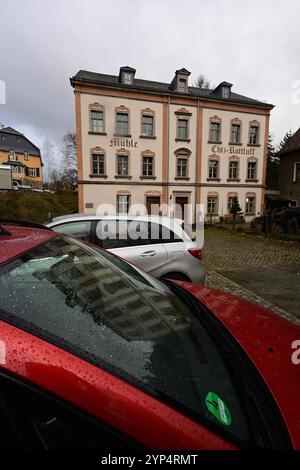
[
  {"x": 132, "y": 240},
  {"x": 32, "y": 419}
]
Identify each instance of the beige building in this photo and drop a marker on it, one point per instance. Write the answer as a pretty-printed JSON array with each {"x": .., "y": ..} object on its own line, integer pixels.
[{"x": 145, "y": 142}]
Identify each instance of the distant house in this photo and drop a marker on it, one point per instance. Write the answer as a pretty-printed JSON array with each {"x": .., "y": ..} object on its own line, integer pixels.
[
  {"x": 23, "y": 156},
  {"x": 290, "y": 169}
]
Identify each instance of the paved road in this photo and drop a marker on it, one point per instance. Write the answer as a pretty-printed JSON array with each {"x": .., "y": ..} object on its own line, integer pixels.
[{"x": 262, "y": 270}]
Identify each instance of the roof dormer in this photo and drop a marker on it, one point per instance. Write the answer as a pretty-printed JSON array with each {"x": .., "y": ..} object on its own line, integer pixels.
[
  {"x": 223, "y": 90},
  {"x": 180, "y": 81},
  {"x": 126, "y": 75}
]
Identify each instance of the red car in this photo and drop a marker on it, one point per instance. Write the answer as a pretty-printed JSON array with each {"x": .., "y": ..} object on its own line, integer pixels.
[{"x": 95, "y": 354}]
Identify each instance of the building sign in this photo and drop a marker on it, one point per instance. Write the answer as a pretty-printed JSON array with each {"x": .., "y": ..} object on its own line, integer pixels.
[
  {"x": 122, "y": 142},
  {"x": 232, "y": 150}
]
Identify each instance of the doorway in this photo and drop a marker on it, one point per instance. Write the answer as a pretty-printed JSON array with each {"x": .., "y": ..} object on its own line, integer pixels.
[
  {"x": 152, "y": 205},
  {"x": 181, "y": 201}
]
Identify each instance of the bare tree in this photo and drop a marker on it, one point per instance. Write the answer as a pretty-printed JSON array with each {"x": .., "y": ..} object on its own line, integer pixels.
[
  {"x": 202, "y": 82},
  {"x": 48, "y": 158},
  {"x": 68, "y": 153}
]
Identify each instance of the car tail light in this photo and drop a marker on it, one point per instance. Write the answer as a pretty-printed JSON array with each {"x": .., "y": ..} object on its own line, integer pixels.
[{"x": 196, "y": 252}]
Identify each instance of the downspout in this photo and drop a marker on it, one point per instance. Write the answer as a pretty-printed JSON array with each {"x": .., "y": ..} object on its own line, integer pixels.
[
  {"x": 196, "y": 165},
  {"x": 168, "y": 148}
]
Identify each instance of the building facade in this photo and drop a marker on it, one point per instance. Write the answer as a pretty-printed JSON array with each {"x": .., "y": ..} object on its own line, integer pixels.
[
  {"x": 22, "y": 156},
  {"x": 145, "y": 142},
  {"x": 290, "y": 170}
]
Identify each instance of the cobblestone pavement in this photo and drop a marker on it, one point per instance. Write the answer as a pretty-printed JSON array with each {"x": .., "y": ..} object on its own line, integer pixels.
[{"x": 233, "y": 259}]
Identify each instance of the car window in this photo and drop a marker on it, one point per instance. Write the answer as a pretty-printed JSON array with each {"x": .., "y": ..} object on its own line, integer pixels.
[
  {"x": 129, "y": 233},
  {"x": 162, "y": 234},
  {"x": 35, "y": 420},
  {"x": 80, "y": 229},
  {"x": 132, "y": 326}
]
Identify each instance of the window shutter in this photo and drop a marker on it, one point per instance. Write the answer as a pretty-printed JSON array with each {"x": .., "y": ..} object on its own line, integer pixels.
[
  {"x": 26, "y": 171},
  {"x": 37, "y": 172}
]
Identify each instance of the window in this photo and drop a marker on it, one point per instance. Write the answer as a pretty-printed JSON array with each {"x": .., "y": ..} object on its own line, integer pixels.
[
  {"x": 12, "y": 155},
  {"x": 230, "y": 201},
  {"x": 123, "y": 165},
  {"x": 213, "y": 169},
  {"x": 75, "y": 229},
  {"x": 32, "y": 419},
  {"x": 122, "y": 127},
  {"x": 297, "y": 171},
  {"x": 18, "y": 140},
  {"x": 32, "y": 172},
  {"x": 225, "y": 92},
  {"x": 112, "y": 234},
  {"x": 97, "y": 121},
  {"x": 182, "y": 129},
  {"x": 26, "y": 156},
  {"x": 182, "y": 166},
  {"x": 182, "y": 85},
  {"x": 212, "y": 205},
  {"x": 127, "y": 78},
  {"x": 233, "y": 170},
  {"x": 148, "y": 166},
  {"x": 250, "y": 205},
  {"x": 3, "y": 137},
  {"x": 251, "y": 171},
  {"x": 123, "y": 204},
  {"x": 98, "y": 166},
  {"x": 235, "y": 133},
  {"x": 253, "y": 135},
  {"x": 214, "y": 133},
  {"x": 147, "y": 125}
]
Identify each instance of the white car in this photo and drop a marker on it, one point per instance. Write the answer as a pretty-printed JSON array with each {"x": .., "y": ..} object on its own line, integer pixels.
[{"x": 159, "y": 245}]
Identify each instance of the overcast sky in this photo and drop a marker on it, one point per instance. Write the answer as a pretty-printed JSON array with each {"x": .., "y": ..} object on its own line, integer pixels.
[{"x": 255, "y": 45}]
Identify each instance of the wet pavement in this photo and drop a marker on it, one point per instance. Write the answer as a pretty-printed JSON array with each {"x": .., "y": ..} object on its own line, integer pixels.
[{"x": 258, "y": 269}]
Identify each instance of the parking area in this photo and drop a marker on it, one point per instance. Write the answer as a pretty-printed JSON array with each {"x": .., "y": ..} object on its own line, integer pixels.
[{"x": 256, "y": 268}]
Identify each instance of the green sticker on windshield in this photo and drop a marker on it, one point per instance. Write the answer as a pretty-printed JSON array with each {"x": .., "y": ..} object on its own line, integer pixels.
[{"x": 218, "y": 408}]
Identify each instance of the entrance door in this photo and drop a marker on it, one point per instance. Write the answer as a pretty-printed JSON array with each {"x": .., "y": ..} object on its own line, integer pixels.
[
  {"x": 181, "y": 201},
  {"x": 152, "y": 204}
]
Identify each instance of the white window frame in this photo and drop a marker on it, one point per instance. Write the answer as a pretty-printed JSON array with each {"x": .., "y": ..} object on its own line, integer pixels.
[
  {"x": 127, "y": 78},
  {"x": 32, "y": 172},
  {"x": 295, "y": 172}
]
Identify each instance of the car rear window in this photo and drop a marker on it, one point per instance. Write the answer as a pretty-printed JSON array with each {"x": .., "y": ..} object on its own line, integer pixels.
[{"x": 113, "y": 315}]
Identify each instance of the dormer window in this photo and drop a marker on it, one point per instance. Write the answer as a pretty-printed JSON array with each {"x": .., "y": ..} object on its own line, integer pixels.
[
  {"x": 182, "y": 85},
  {"x": 126, "y": 75},
  {"x": 127, "y": 78},
  {"x": 225, "y": 92},
  {"x": 180, "y": 81}
]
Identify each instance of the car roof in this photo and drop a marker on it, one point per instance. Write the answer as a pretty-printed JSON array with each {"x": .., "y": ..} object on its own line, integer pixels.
[
  {"x": 153, "y": 218},
  {"x": 21, "y": 239}
]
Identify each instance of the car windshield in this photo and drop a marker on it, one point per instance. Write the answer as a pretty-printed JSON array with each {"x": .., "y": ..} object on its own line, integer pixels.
[{"x": 115, "y": 316}]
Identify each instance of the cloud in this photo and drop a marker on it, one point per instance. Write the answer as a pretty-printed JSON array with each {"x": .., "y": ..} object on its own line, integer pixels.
[{"x": 254, "y": 45}]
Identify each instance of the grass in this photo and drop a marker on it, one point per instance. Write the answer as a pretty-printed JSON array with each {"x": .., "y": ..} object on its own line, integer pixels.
[
  {"x": 245, "y": 228},
  {"x": 35, "y": 206}
]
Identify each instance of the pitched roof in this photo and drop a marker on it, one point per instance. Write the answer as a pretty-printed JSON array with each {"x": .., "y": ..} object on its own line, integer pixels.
[
  {"x": 292, "y": 144},
  {"x": 84, "y": 76},
  {"x": 21, "y": 145}
]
